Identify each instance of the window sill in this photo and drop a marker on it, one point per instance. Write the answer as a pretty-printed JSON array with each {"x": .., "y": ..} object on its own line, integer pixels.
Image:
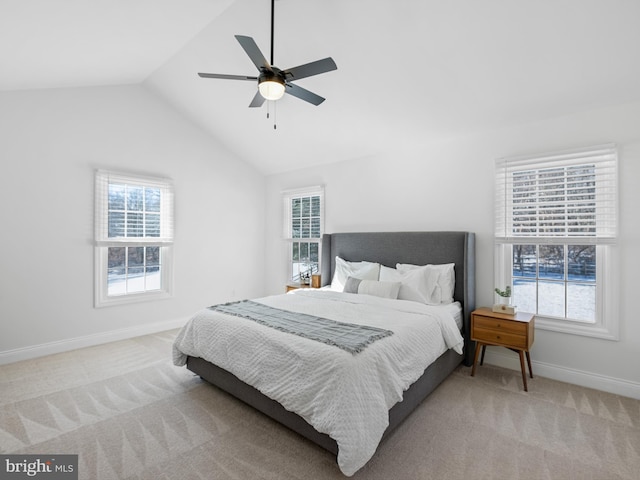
[
  {"x": 131, "y": 298},
  {"x": 574, "y": 328}
]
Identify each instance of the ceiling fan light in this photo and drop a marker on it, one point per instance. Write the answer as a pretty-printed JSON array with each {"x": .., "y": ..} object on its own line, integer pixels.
[{"x": 271, "y": 89}]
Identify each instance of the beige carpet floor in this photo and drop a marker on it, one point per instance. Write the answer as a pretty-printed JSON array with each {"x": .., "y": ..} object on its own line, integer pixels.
[{"x": 130, "y": 414}]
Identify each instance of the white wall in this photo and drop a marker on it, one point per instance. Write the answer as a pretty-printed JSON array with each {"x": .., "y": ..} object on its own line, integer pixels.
[
  {"x": 449, "y": 186},
  {"x": 51, "y": 141}
]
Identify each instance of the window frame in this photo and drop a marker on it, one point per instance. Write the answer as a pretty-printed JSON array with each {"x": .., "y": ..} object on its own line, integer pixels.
[
  {"x": 102, "y": 241},
  {"x": 604, "y": 236},
  {"x": 288, "y": 196}
]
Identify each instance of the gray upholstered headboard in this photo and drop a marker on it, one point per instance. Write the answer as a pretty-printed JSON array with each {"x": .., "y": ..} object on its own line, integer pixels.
[{"x": 418, "y": 248}]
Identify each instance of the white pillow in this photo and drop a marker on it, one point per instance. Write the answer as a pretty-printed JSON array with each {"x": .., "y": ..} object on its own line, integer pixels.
[
  {"x": 361, "y": 270},
  {"x": 417, "y": 285},
  {"x": 446, "y": 278},
  {"x": 372, "y": 287}
]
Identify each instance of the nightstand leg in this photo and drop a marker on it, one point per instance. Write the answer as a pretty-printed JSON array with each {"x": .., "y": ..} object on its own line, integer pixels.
[
  {"x": 475, "y": 359},
  {"x": 529, "y": 363},
  {"x": 524, "y": 374},
  {"x": 484, "y": 349}
]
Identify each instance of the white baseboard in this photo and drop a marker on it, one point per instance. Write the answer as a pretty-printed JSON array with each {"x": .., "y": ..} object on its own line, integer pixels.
[
  {"x": 596, "y": 381},
  {"x": 34, "y": 351}
]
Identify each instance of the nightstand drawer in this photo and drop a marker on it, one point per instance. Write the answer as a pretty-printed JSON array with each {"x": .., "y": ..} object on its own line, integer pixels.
[
  {"x": 499, "y": 337},
  {"x": 507, "y": 326}
]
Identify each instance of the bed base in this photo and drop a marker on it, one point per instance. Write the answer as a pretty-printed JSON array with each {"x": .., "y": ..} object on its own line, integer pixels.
[{"x": 413, "y": 396}]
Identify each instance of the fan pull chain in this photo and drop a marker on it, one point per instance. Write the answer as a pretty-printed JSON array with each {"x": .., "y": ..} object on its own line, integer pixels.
[{"x": 269, "y": 102}]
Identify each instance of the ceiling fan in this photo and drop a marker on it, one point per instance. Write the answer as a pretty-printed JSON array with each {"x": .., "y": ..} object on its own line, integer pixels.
[{"x": 273, "y": 83}]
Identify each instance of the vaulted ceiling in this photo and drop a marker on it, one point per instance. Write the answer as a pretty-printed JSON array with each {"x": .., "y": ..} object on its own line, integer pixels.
[{"x": 409, "y": 71}]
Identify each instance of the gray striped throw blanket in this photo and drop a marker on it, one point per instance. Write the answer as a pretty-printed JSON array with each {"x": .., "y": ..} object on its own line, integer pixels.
[{"x": 349, "y": 337}]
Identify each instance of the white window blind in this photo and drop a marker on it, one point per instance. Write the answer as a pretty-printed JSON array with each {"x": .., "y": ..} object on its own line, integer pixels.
[
  {"x": 132, "y": 209},
  {"x": 558, "y": 198},
  {"x": 303, "y": 213}
]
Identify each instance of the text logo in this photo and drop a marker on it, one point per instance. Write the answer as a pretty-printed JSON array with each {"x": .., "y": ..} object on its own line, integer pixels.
[{"x": 49, "y": 467}]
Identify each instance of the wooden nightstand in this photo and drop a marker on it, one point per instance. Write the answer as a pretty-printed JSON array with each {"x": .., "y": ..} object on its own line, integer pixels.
[
  {"x": 515, "y": 332},
  {"x": 295, "y": 286},
  {"x": 315, "y": 283}
]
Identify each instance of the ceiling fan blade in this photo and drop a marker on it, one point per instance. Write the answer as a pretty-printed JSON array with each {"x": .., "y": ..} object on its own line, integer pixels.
[
  {"x": 227, "y": 77},
  {"x": 249, "y": 45},
  {"x": 257, "y": 101},
  {"x": 303, "y": 94},
  {"x": 310, "y": 69}
]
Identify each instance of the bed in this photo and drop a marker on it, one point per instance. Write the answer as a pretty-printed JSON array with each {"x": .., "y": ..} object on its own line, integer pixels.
[{"x": 386, "y": 249}]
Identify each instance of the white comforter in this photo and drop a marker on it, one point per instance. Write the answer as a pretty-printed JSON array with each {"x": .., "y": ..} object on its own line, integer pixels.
[{"x": 343, "y": 395}]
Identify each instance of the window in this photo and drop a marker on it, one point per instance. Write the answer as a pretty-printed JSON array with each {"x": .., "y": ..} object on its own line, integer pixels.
[
  {"x": 304, "y": 224},
  {"x": 555, "y": 233},
  {"x": 133, "y": 238}
]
